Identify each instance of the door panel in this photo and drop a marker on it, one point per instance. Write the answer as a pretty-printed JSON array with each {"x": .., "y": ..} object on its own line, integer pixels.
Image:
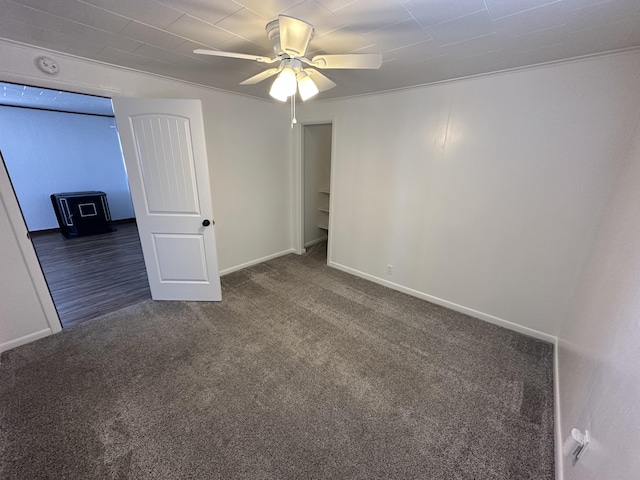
[
  {"x": 165, "y": 154},
  {"x": 168, "y": 175},
  {"x": 186, "y": 268}
]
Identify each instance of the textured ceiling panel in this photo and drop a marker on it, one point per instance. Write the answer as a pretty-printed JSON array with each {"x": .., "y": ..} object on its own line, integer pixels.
[
  {"x": 199, "y": 31},
  {"x": 421, "y": 41},
  {"x": 30, "y": 97}
]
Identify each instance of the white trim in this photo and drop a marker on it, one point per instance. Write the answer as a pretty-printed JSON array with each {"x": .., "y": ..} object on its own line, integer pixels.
[
  {"x": 32, "y": 337},
  {"x": 453, "y": 306},
  {"x": 92, "y": 88},
  {"x": 297, "y": 190},
  {"x": 256, "y": 261},
  {"x": 18, "y": 225},
  {"x": 556, "y": 414},
  {"x": 50, "y": 83},
  {"x": 332, "y": 184},
  {"x": 316, "y": 241},
  {"x": 506, "y": 71}
]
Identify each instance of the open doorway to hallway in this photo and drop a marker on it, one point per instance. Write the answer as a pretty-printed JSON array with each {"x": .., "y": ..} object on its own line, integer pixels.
[{"x": 56, "y": 142}]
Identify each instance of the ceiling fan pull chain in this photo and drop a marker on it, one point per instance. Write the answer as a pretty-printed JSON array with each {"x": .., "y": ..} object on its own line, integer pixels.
[{"x": 293, "y": 110}]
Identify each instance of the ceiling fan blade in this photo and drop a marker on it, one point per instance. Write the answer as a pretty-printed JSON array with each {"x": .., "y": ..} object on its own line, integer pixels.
[
  {"x": 260, "y": 77},
  {"x": 244, "y": 56},
  {"x": 322, "y": 82},
  {"x": 353, "y": 60},
  {"x": 295, "y": 35}
]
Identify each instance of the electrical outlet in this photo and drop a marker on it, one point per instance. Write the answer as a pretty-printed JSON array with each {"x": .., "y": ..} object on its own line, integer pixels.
[{"x": 389, "y": 269}]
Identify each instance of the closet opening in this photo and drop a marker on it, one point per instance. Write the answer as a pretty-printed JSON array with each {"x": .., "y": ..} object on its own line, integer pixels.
[{"x": 316, "y": 151}]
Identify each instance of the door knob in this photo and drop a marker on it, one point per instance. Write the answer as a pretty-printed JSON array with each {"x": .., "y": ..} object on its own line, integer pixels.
[{"x": 206, "y": 223}]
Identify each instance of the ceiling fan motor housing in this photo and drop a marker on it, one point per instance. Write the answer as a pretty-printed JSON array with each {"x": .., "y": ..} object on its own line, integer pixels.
[{"x": 273, "y": 32}]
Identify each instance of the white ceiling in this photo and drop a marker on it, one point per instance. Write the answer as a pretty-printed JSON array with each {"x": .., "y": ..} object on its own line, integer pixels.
[{"x": 421, "y": 41}]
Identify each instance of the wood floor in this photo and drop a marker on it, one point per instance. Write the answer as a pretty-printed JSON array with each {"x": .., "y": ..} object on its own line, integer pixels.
[{"x": 91, "y": 276}]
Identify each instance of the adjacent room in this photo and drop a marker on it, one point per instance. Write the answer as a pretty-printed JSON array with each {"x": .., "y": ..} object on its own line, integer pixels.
[
  {"x": 390, "y": 239},
  {"x": 65, "y": 145}
]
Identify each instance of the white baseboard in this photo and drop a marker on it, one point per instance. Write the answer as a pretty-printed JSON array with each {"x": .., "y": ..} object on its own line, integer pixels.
[
  {"x": 256, "y": 261},
  {"x": 317, "y": 240},
  {"x": 32, "y": 337},
  {"x": 556, "y": 413},
  {"x": 453, "y": 306}
]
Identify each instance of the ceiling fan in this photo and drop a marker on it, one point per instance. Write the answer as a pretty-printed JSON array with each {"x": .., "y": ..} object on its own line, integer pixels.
[{"x": 290, "y": 39}]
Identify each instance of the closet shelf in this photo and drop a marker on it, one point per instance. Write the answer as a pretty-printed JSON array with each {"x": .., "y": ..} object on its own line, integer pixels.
[{"x": 324, "y": 219}]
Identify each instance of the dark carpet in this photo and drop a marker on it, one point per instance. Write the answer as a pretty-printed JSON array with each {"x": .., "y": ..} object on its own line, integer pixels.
[{"x": 301, "y": 372}]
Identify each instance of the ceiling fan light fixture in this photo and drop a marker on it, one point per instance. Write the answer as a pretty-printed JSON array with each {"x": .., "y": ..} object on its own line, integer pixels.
[
  {"x": 284, "y": 85},
  {"x": 307, "y": 87},
  {"x": 276, "y": 92}
]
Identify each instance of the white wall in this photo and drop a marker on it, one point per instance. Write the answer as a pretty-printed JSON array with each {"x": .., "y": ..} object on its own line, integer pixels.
[
  {"x": 483, "y": 192},
  {"x": 599, "y": 348},
  {"x": 247, "y": 142},
  {"x": 49, "y": 152},
  {"x": 317, "y": 176}
]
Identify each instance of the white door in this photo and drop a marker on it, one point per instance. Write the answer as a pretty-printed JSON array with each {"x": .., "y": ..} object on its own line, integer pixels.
[{"x": 166, "y": 158}]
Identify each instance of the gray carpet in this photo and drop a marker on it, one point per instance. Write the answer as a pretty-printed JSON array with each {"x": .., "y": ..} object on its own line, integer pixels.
[{"x": 302, "y": 372}]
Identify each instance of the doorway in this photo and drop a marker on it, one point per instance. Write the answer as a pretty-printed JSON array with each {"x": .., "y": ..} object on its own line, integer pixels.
[
  {"x": 55, "y": 142},
  {"x": 316, "y": 149}
]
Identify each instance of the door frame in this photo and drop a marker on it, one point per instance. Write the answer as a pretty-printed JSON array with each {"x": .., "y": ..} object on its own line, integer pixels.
[
  {"x": 298, "y": 180},
  {"x": 19, "y": 226}
]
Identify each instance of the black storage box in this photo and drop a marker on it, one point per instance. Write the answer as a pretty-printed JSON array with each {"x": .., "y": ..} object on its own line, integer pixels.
[{"x": 82, "y": 213}]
